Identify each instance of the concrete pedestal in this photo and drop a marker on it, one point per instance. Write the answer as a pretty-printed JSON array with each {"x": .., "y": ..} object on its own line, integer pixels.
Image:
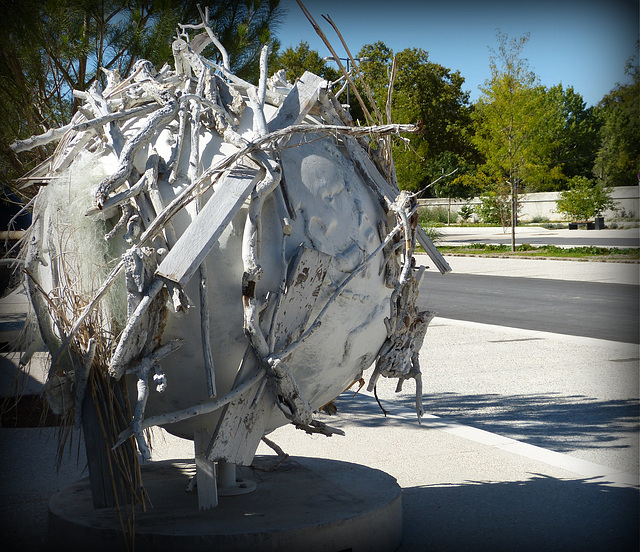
[{"x": 306, "y": 504}]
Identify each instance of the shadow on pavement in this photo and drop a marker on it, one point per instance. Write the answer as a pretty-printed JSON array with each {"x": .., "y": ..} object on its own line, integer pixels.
[
  {"x": 559, "y": 422},
  {"x": 551, "y": 420},
  {"x": 541, "y": 513}
]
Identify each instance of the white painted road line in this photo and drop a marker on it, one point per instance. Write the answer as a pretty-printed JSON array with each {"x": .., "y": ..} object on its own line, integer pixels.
[{"x": 539, "y": 454}]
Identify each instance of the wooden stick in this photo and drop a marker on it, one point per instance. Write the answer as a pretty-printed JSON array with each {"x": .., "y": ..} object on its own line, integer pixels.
[
  {"x": 56, "y": 134},
  {"x": 101, "y": 106},
  {"x": 388, "y": 154},
  {"x": 193, "y": 173},
  {"x": 79, "y": 142},
  {"x": 419, "y": 409},
  {"x": 435, "y": 255},
  {"x": 337, "y": 60},
  {"x": 317, "y": 426},
  {"x": 392, "y": 78},
  {"x": 142, "y": 386},
  {"x": 380, "y": 119},
  {"x": 32, "y": 261},
  {"x": 253, "y": 226},
  {"x": 82, "y": 376},
  {"x": 176, "y": 154},
  {"x": 256, "y": 96},
  {"x": 216, "y": 42},
  {"x": 138, "y": 67},
  {"x": 157, "y": 203},
  {"x": 126, "y": 213},
  {"x": 160, "y": 117},
  {"x": 197, "y": 410},
  {"x": 119, "y": 198},
  {"x": 35, "y": 141},
  {"x": 221, "y": 117},
  {"x": 236, "y": 83},
  {"x": 116, "y": 365},
  {"x": 251, "y": 240},
  {"x": 157, "y": 355},
  {"x": 259, "y": 121},
  {"x": 290, "y": 401},
  {"x": 282, "y": 455},
  {"x": 205, "y": 331},
  {"x": 194, "y": 156},
  {"x": 262, "y": 82}
]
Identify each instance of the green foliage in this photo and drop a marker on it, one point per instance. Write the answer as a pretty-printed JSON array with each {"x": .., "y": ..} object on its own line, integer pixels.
[
  {"x": 432, "y": 232},
  {"x": 514, "y": 121},
  {"x": 474, "y": 181},
  {"x": 48, "y": 49},
  {"x": 539, "y": 219},
  {"x": 433, "y": 215},
  {"x": 495, "y": 208},
  {"x": 242, "y": 26},
  {"x": 527, "y": 250},
  {"x": 618, "y": 158},
  {"x": 575, "y": 139},
  {"x": 296, "y": 61},
  {"x": 455, "y": 185},
  {"x": 466, "y": 212},
  {"x": 584, "y": 199},
  {"x": 429, "y": 95}
]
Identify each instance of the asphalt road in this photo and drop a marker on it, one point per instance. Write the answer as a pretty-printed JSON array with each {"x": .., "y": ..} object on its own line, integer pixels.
[{"x": 589, "y": 309}]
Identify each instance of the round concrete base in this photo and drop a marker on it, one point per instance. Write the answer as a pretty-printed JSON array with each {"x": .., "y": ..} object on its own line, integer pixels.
[{"x": 306, "y": 504}]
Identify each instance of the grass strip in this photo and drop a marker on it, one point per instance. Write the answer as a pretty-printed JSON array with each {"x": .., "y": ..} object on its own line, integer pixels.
[{"x": 526, "y": 250}]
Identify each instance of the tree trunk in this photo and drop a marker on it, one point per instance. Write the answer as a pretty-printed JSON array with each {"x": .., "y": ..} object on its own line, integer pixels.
[{"x": 514, "y": 214}]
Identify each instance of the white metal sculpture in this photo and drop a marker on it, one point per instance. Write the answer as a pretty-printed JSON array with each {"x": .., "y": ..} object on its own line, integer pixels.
[{"x": 239, "y": 254}]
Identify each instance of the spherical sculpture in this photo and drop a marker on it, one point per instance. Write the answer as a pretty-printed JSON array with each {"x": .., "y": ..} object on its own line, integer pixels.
[{"x": 238, "y": 255}]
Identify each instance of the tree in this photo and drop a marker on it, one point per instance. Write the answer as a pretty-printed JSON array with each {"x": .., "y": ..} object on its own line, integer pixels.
[
  {"x": 429, "y": 95},
  {"x": 495, "y": 206},
  {"x": 451, "y": 182},
  {"x": 584, "y": 199},
  {"x": 512, "y": 118},
  {"x": 296, "y": 61},
  {"x": 618, "y": 158},
  {"x": 48, "y": 49},
  {"x": 376, "y": 72},
  {"x": 577, "y": 138}
]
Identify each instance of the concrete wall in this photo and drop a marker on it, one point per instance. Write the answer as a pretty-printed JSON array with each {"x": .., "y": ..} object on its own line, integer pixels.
[{"x": 543, "y": 205}]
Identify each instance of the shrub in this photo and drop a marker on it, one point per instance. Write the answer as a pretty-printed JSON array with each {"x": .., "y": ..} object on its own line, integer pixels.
[
  {"x": 584, "y": 199},
  {"x": 495, "y": 208},
  {"x": 433, "y": 233},
  {"x": 431, "y": 215},
  {"x": 623, "y": 214},
  {"x": 466, "y": 212}
]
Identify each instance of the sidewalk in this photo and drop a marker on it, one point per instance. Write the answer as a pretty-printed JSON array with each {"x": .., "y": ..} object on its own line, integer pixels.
[
  {"x": 530, "y": 441},
  {"x": 536, "y": 235}
]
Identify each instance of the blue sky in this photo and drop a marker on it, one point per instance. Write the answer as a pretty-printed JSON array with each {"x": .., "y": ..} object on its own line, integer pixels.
[{"x": 579, "y": 43}]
